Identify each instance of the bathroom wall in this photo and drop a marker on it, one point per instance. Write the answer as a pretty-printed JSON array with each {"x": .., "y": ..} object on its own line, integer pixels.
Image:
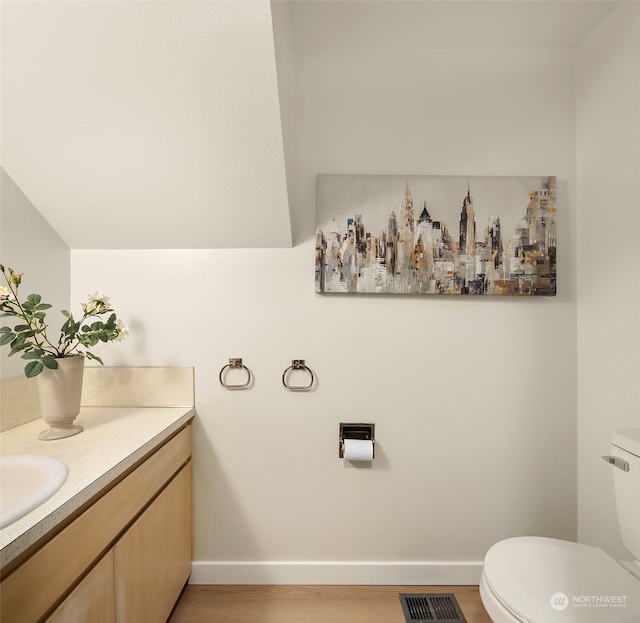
[
  {"x": 29, "y": 245},
  {"x": 608, "y": 122},
  {"x": 474, "y": 401}
]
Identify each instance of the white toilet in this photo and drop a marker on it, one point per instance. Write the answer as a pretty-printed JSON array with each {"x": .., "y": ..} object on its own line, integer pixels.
[{"x": 541, "y": 580}]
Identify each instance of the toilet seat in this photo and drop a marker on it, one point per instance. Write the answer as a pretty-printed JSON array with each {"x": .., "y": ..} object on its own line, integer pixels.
[
  {"x": 542, "y": 580},
  {"x": 498, "y": 612}
]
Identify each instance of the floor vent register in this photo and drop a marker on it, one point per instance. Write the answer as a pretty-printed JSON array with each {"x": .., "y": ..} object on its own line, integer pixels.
[{"x": 432, "y": 607}]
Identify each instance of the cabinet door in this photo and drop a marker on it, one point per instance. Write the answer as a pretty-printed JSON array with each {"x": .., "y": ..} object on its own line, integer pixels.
[
  {"x": 153, "y": 558},
  {"x": 93, "y": 599}
]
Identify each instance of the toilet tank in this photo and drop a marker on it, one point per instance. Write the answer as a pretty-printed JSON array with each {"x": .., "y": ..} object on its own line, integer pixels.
[{"x": 625, "y": 445}]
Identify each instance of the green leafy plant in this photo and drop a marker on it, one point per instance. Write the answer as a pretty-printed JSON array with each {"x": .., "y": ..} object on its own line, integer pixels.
[{"x": 29, "y": 335}]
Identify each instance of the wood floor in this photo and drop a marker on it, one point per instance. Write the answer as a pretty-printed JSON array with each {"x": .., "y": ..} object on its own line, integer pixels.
[{"x": 311, "y": 604}]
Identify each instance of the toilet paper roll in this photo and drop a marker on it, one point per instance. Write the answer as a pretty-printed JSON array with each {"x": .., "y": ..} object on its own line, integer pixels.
[{"x": 358, "y": 450}]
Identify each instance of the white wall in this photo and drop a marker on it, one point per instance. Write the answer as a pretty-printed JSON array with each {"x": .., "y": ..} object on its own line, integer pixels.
[
  {"x": 474, "y": 401},
  {"x": 29, "y": 245},
  {"x": 608, "y": 118}
]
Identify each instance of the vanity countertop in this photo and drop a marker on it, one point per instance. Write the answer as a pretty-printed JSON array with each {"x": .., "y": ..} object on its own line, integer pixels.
[{"x": 114, "y": 439}]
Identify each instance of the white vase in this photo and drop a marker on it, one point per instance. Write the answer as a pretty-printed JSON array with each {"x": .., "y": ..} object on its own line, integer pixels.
[{"x": 60, "y": 392}]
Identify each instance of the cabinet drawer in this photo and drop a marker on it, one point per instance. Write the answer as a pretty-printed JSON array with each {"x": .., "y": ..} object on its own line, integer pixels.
[{"x": 43, "y": 579}]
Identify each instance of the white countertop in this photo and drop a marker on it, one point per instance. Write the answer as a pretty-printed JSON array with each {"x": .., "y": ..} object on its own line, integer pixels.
[{"x": 114, "y": 439}]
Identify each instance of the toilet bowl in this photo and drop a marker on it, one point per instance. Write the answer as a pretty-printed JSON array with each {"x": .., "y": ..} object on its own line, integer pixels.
[{"x": 543, "y": 580}]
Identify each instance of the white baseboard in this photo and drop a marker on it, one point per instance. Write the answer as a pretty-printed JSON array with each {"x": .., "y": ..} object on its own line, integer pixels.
[{"x": 336, "y": 573}]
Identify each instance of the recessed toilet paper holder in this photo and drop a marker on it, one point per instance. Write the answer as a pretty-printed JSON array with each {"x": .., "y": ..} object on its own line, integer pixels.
[{"x": 356, "y": 431}]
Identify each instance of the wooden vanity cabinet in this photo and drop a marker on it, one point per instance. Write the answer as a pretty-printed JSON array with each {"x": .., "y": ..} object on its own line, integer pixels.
[
  {"x": 153, "y": 558},
  {"x": 125, "y": 559},
  {"x": 93, "y": 600}
]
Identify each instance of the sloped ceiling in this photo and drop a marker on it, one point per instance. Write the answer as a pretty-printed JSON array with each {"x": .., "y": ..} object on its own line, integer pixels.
[
  {"x": 157, "y": 124},
  {"x": 146, "y": 124},
  {"x": 322, "y": 25}
]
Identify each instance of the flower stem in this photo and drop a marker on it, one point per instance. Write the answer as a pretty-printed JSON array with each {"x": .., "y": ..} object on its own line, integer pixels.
[{"x": 22, "y": 314}]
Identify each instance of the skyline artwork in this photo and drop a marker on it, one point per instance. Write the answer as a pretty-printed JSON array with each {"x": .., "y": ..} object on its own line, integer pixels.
[{"x": 427, "y": 234}]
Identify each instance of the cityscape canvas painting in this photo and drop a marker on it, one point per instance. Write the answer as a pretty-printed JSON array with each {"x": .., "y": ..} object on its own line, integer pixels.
[{"x": 448, "y": 235}]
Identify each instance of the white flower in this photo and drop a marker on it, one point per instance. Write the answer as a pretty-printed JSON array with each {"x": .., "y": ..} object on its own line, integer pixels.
[
  {"x": 99, "y": 297},
  {"x": 98, "y": 304},
  {"x": 123, "y": 332}
]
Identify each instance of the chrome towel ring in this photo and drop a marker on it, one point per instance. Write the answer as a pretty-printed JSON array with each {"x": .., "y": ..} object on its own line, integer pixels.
[
  {"x": 234, "y": 363},
  {"x": 297, "y": 364}
]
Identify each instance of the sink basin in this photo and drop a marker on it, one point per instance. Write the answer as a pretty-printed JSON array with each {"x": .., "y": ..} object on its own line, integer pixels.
[{"x": 26, "y": 482}]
